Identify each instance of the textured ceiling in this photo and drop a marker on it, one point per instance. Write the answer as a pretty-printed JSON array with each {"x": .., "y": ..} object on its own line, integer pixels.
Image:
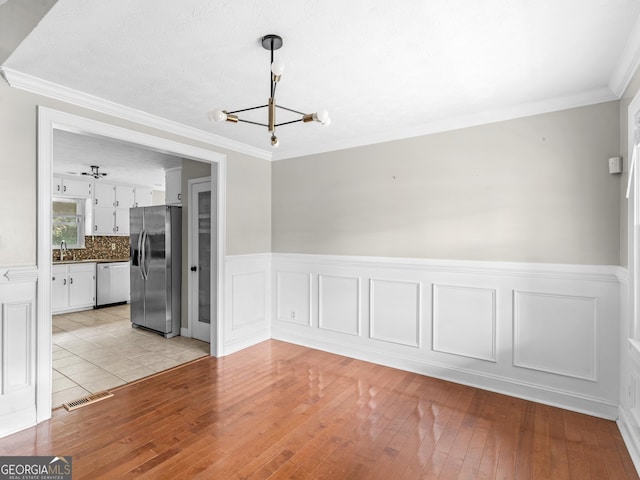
[
  {"x": 122, "y": 162},
  {"x": 383, "y": 69}
]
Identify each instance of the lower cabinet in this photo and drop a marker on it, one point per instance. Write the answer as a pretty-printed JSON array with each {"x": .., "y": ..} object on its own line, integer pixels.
[{"x": 73, "y": 287}]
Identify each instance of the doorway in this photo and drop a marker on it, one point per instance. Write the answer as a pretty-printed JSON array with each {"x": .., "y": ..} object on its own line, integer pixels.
[{"x": 51, "y": 120}]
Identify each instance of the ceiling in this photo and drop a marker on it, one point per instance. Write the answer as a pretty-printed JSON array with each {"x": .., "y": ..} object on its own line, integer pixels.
[
  {"x": 123, "y": 162},
  {"x": 384, "y": 70}
]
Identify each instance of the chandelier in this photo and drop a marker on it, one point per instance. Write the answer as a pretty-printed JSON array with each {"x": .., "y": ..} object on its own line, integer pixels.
[{"x": 271, "y": 43}]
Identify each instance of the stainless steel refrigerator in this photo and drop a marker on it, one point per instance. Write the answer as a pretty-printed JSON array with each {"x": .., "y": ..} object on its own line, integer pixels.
[{"x": 156, "y": 276}]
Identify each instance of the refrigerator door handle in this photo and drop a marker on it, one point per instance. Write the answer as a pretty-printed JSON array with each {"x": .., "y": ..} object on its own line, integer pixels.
[
  {"x": 139, "y": 254},
  {"x": 145, "y": 260}
]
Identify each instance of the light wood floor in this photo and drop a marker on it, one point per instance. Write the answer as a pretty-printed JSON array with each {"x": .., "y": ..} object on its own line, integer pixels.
[{"x": 281, "y": 411}]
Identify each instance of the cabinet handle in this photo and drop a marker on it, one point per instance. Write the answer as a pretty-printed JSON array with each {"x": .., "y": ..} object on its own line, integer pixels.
[
  {"x": 64, "y": 189},
  {"x": 95, "y": 228},
  {"x": 71, "y": 280},
  {"x": 53, "y": 279},
  {"x": 58, "y": 187},
  {"x": 96, "y": 201},
  {"x": 117, "y": 228},
  {"x": 64, "y": 282},
  {"x": 179, "y": 196},
  {"x": 117, "y": 203}
]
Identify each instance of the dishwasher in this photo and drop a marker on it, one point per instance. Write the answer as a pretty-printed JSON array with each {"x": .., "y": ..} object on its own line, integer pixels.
[{"x": 112, "y": 283}]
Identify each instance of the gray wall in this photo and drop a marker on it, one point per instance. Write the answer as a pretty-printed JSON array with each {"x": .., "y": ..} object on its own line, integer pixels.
[
  {"x": 534, "y": 189},
  {"x": 248, "y": 209}
]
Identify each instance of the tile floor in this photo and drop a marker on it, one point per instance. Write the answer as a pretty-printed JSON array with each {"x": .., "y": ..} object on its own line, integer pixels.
[{"x": 95, "y": 350}]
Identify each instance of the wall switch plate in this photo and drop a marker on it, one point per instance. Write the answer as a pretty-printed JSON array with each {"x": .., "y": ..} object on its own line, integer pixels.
[{"x": 615, "y": 165}]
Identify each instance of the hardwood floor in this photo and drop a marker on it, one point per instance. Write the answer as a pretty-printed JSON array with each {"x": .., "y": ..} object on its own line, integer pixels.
[{"x": 281, "y": 411}]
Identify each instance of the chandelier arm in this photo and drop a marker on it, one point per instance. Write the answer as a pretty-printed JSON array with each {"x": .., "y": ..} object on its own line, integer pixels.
[
  {"x": 253, "y": 123},
  {"x": 247, "y": 109},
  {"x": 290, "y": 110},
  {"x": 287, "y": 123}
]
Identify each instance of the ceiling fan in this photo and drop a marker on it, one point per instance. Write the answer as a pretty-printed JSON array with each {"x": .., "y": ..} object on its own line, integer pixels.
[{"x": 95, "y": 173}]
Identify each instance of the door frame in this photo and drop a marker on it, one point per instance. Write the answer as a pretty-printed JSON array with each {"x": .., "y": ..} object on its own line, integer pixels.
[
  {"x": 190, "y": 253},
  {"x": 50, "y": 120}
]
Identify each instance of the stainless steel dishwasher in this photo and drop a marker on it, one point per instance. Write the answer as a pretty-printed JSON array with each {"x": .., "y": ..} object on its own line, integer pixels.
[{"x": 112, "y": 283}]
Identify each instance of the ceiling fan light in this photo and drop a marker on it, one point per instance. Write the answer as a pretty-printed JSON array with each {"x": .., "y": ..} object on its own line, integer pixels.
[
  {"x": 217, "y": 115},
  {"x": 274, "y": 141}
]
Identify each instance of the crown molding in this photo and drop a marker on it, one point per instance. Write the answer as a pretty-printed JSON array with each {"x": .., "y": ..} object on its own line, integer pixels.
[
  {"x": 39, "y": 86},
  {"x": 627, "y": 63},
  {"x": 591, "y": 97}
]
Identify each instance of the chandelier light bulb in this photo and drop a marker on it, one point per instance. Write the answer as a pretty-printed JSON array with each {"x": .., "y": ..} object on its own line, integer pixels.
[
  {"x": 321, "y": 116},
  {"x": 217, "y": 115},
  {"x": 277, "y": 67},
  {"x": 274, "y": 141}
]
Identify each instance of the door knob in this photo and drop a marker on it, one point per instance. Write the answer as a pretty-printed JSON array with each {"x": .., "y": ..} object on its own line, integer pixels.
[{"x": 194, "y": 268}]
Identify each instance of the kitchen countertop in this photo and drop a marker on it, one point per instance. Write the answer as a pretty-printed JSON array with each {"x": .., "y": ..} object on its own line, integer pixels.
[{"x": 98, "y": 260}]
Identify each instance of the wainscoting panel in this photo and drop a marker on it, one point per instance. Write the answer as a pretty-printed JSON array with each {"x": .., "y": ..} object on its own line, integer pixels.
[
  {"x": 555, "y": 334},
  {"x": 464, "y": 321},
  {"x": 17, "y": 349},
  {"x": 395, "y": 312},
  {"x": 339, "y": 304},
  {"x": 247, "y": 301},
  {"x": 554, "y": 341},
  {"x": 293, "y": 297}
]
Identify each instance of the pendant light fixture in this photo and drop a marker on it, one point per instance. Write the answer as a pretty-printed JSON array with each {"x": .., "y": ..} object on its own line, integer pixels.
[{"x": 271, "y": 42}]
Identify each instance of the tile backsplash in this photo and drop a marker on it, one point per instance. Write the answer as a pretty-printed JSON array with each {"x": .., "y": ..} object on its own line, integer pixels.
[{"x": 98, "y": 248}]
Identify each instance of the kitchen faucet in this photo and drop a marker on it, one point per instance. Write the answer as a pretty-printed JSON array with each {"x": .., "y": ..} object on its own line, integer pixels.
[{"x": 63, "y": 248}]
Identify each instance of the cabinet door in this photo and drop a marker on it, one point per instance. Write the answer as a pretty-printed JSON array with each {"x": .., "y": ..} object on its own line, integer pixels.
[
  {"x": 76, "y": 188},
  {"x": 103, "y": 221},
  {"x": 59, "y": 290},
  {"x": 144, "y": 197},
  {"x": 82, "y": 286},
  {"x": 125, "y": 196},
  {"x": 173, "y": 186},
  {"x": 105, "y": 195},
  {"x": 122, "y": 221},
  {"x": 56, "y": 189}
]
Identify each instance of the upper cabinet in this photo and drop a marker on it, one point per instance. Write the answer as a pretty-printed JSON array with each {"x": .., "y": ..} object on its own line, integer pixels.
[
  {"x": 144, "y": 197},
  {"x": 125, "y": 196},
  {"x": 173, "y": 186},
  {"x": 105, "y": 195},
  {"x": 71, "y": 187}
]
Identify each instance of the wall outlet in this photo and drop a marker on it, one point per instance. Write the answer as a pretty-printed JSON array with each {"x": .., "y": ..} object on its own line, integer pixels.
[{"x": 113, "y": 246}]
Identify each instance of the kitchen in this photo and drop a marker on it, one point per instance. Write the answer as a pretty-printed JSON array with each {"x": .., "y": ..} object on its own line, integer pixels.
[{"x": 95, "y": 183}]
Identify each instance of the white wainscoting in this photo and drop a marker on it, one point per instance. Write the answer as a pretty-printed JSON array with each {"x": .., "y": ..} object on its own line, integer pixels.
[
  {"x": 17, "y": 349},
  {"x": 247, "y": 301},
  {"x": 548, "y": 333}
]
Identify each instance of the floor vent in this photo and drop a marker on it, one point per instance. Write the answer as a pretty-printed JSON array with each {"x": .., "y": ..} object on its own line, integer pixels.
[{"x": 89, "y": 399}]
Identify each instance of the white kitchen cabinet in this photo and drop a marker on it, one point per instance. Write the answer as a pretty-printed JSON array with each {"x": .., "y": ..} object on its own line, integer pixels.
[
  {"x": 71, "y": 187},
  {"x": 125, "y": 196},
  {"x": 121, "y": 221},
  {"x": 103, "y": 221},
  {"x": 111, "y": 206},
  {"x": 104, "y": 195},
  {"x": 143, "y": 197},
  {"x": 173, "y": 186},
  {"x": 73, "y": 287}
]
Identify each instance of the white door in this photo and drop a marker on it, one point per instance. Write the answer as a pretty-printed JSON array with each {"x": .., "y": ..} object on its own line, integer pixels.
[{"x": 200, "y": 221}]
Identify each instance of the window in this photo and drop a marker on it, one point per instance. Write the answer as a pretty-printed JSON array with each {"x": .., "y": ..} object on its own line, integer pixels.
[{"x": 67, "y": 222}]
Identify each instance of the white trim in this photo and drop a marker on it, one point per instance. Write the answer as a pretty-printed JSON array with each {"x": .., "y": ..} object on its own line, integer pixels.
[
  {"x": 19, "y": 274},
  {"x": 599, "y": 273},
  {"x": 50, "y": 120},
  {"x": 38, "y": 86}
]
